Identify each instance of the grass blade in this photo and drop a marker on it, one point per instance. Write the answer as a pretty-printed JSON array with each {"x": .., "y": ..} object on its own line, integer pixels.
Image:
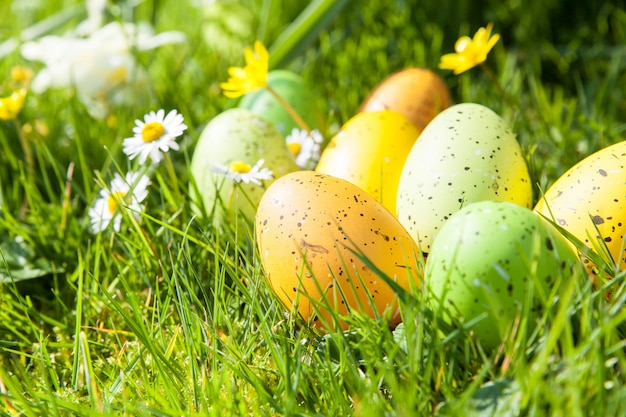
[{"x": 303, "y": 30}]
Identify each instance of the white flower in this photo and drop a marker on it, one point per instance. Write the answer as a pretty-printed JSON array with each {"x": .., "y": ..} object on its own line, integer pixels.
[
  {"x": 239, "y": 171},
  {"x": 305, "y": 147},
  {"x": 156, "y": 134},
  {"x": 96, "y": 10},
  {"x": 101, "y": 67},
  {"x": 123, "y": 193}
]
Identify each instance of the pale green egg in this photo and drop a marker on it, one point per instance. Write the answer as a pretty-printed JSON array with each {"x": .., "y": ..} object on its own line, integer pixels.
[
  {"x": 292, "y": 89},
  {"x": 236, "y": 135},
  {"x": 493, "y": 261},
  {"x": 467, "y": 153}
]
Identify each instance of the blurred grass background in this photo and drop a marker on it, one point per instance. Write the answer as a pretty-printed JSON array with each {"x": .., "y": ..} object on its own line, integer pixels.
[{"x": 566, "y": 58}]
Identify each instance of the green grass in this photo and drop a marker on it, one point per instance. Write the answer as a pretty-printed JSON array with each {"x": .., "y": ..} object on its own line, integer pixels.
[{"x": 174, "y": 316}]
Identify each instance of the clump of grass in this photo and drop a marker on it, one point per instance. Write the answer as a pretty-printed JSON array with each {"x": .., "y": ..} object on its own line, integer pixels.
[{"x": 174, "y": 317}]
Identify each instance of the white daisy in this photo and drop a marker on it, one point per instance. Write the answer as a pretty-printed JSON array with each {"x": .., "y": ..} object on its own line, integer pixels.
[
  {"x": 154, "y": 136},
  {"x": 305, "y": 146},
  {"x": 129, "y": 192},
  {"x": 239, "y": 171}
]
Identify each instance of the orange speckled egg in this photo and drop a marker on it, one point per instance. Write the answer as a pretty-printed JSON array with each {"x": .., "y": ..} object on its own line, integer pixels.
[
  {"x": 589, "y": 201},
  {"x": 417, "y": 93},
  {"x": 310, "y": 228},
  {"x": 370, "y": 150}
]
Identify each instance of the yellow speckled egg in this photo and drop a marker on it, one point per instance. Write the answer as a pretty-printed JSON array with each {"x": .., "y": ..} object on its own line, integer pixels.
[
  {"x": 309, "y": 228},
  {"x": 466, "y": 154},
  {"x": 419, "y": 94},
  {"x": 590, "y": 198},
  {"x": 370, "y": 151}
]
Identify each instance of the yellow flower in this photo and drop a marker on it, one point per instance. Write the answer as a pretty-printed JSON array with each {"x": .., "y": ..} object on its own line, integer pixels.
[
  {"x": 251, "y": 77},
  {"x": 470, "y": 52},
  {"x": 10, "y": 106},
  {"x": 21, "y": 74}
]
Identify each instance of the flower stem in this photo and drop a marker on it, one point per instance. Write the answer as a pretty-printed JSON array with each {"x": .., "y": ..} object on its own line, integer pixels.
[
  {"x": 245, "y": 195},
  {"x": 494, "y": 79},
  {"x": 292, "y": 112},
  {"x": 172, "y": 173},
  {"x": 28, "y": 151},
  {"x": 67, "y": 194},
  {"x": 30, "y": 163}
]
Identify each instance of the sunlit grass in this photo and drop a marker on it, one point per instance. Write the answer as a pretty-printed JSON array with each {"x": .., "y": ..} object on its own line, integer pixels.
[{"x": 173, "y": 316}]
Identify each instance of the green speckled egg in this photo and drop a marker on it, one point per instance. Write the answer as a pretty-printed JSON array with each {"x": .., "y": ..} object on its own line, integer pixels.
[
  {"x": 291, "y": 87},
  {"x": 467, "y": 153},
  {"x": 236, "y": 135},
  {"x": 497, "y": 258}
]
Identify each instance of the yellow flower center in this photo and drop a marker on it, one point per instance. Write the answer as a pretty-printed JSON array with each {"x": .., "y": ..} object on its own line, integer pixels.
[
  {"x": 111, "y": 120},
  {"x": 295, "y": 148},
  {"x": 21, "y": 74},
  {"x": 117, "y": 76},
  {"x": 114, "y": 200},
  {"x": 239, "y": 166},
  {"x": 152, "y": 131}
]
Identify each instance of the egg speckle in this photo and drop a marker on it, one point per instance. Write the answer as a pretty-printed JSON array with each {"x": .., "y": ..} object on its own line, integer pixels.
[
  {"x": 311, "y": 229},
  {"x": 466, "y": 154}
]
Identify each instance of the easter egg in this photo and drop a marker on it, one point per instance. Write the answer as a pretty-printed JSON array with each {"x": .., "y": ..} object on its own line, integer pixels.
[
  {"x": 291, "y": 88},
  {"x": 497, "y": 260},
  {"x": 589, "y": 201},
  {"x": 370, "y": 151},
  {"x": 313, "y": 232},
  {"x": 466, "y": 154},
  {"x": 238, "y": 137},
  {"x": 419, "y": 94}
]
